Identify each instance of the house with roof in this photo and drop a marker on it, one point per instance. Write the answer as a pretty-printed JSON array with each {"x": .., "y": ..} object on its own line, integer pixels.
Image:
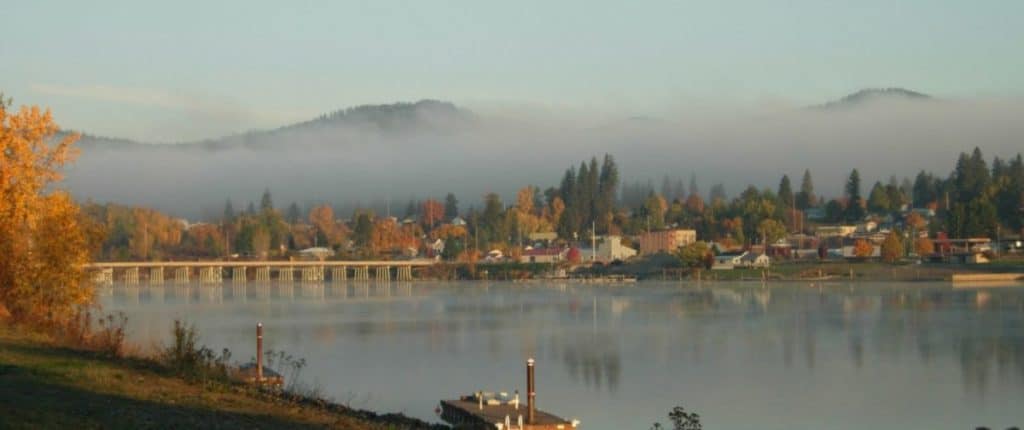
[
  {"x": 728, "y": 260},
  {"x": 755, "y": 260},
  {"x": 552, "y": 255},
  {"x": 316, "y": 253}
]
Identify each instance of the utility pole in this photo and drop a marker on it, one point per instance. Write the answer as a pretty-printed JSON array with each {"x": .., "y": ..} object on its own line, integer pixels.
[{"x": 593, "y": 241}]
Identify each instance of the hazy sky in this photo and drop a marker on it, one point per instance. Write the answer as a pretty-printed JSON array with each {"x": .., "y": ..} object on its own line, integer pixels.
[{"x": 178, "y": 70}]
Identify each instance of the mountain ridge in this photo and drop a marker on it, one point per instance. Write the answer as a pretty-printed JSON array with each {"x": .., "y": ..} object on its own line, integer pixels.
[{"x": 868, "y": 95}]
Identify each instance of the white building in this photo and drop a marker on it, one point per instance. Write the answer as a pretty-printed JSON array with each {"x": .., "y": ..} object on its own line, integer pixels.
[
  {"x": 609, "y": 248},
  {"x": 759, "y": 260}
]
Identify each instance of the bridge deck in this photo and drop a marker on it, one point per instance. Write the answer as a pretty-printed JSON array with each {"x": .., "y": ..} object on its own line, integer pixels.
[{"x": 369, "y": 263}]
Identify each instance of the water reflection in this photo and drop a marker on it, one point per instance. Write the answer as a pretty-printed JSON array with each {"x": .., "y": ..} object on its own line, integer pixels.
[{"x": 740, "y": 343}]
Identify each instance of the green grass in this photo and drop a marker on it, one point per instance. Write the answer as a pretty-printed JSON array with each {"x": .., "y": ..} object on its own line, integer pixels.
[{"x": 44, "y": 385}]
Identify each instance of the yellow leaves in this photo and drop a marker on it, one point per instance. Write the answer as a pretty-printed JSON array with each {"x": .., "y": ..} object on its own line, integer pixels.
[
  {"x": 863, "y": 248},
  {"x": 526, "y": 220},
  {"x": 447, "y": 232},
  {"x": 389, "y": 236},
  {"x": 322, "y": 219},
  {"x": 43, "y": 244},
  {"x": 924, "y": 247}
]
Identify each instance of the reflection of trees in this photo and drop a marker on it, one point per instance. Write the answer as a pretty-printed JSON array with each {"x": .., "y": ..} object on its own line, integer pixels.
[
  {"x": 979, "y": 330},
  {"x": 594, "y": 358}
]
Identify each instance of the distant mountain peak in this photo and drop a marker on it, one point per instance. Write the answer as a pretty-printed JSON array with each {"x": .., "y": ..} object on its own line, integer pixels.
[
  {"x": 868, "y": 95},
  {"x": 391, "y": 117}
]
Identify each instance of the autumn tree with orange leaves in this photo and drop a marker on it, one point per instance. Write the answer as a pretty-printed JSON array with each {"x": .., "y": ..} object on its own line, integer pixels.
[
  {"x": 432, "y": 212},
  {"x": 329, "y": 232},
  {"x": 42, "y": 242},
  {"x": 863, "y": 248}
]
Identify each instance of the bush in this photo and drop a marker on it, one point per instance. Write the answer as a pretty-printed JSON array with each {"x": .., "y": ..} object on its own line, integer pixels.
[
  {"x": 184, "y": 358},
  {"x": 681, "y": 420},
  {"x": 78, "y": 332},
  {"x": 290, "y": 368}
]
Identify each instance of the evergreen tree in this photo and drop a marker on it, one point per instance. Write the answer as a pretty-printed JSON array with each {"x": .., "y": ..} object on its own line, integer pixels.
[
  {"x": 805, "y": 198},
  {"x": 568, "y": 223},
  {"x": 593, "y": 178},
  {"x": 451, "y": 206},
  {"x": 608, "y": 186},
  {"x": 717, "y": 193},
  {"x": 878, "y": 200},
  {"x": 833, "y": 211},
  {"x": 1010, "y": 195},
  {"x": 410, "y": 209},
  {"x": 925, "y": 190},
  {"x": 294, "y": 214},
  {"x": 785, "y": 193},
  {"x": 854, "y": 207},
  {"x": 362, "y": 234},
  {"x": 229, "y": 211},
  {"x": 971, "y": 176},
  {"x": 266, "y": 203},
  {"x": 666, "y": 188},
  {"x": 492, "y": 220},
  {"x": 693, "y": 184},
  {"x": 250, "y": 209}
]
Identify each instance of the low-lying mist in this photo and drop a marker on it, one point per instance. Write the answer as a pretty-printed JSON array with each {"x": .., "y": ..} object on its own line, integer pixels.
[{"x": 432, "y": 151}]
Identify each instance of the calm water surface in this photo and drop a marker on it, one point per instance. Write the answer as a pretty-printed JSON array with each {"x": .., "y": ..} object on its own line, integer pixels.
[{"x": 744, "y": 356}]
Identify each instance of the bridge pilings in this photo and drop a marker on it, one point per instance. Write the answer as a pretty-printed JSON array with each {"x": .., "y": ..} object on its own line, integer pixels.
[
  {"x": 404, "y": 273},
  {"x": 285, "y": 273},
  {"x": 263, "y": 273},
  {"x": 362, "y": 273},
  {"x": 313, "y": 273},
  {"x": 210, "y": 275},
  {"x": 383, "y": 273},
  {"x": 131, "y": 275},
  {"x": 238, "y": 274},
  {"x": 339, "y": 274},
  {"x": 181, "y": 275},
  {"x": 156, "y": 275}
]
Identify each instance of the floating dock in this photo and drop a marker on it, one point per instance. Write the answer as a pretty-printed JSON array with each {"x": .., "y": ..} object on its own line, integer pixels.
[
  {"x": 466, "y": 413},
  {"x": 485, "y": 411}
]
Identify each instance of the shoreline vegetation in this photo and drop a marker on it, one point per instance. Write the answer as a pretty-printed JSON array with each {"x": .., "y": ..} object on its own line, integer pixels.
[
  {"x": 94, "y": 380},
  {"x": 665, "y": 267}
]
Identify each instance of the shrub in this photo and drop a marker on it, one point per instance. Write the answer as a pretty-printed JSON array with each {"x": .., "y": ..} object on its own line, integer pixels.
[
  {"x": 681, "y": 420},
  {"x": 78, "y": 331},
  {"x": 197, "y": 363}
]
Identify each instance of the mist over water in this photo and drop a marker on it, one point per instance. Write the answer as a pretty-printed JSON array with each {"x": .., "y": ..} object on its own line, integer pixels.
[
  {"x": 742, "y": 355},
  {"x": 436, "y": 152}
]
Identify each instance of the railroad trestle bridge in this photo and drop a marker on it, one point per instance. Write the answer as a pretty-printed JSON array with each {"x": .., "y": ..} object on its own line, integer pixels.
[{"x": 158, "y": 272}]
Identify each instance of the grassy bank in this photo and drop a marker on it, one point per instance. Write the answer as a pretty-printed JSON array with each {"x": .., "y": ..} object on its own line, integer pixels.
[{"x": 45, "y": 385}]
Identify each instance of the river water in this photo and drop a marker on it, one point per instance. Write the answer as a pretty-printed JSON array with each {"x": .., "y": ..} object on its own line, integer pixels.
[{"x": 743, "y": 355}]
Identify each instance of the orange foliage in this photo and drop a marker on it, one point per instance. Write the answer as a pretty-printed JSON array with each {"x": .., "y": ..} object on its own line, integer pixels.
[
  {"x": 916, "y": 221},
  {"x": 388, "y": 236},
  {"x": 924, "y": 246},
  {"x": 322, "y": 218},
  {"x": 433, "y": 213},
  {"x": 153, "y": 229},
  {"x": 557, "y": 207},
  {"x": 449, "y": 231},
  {"x": 42, "y": 243},
  {"x": 863, "y": 248},
  {"x": 525, "y": 219},
  {"x": 695, "y": 203}
]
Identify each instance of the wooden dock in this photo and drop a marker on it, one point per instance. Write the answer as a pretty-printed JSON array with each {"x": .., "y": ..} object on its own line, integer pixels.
[
  {"x": 987, "y": 277},
  {"x": 467, "y": 413},
  {"x": 485, "y": 411}
]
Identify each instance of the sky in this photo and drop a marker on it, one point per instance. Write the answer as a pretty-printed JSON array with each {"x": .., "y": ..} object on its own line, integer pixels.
[{"x": 186, "y": 70}]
